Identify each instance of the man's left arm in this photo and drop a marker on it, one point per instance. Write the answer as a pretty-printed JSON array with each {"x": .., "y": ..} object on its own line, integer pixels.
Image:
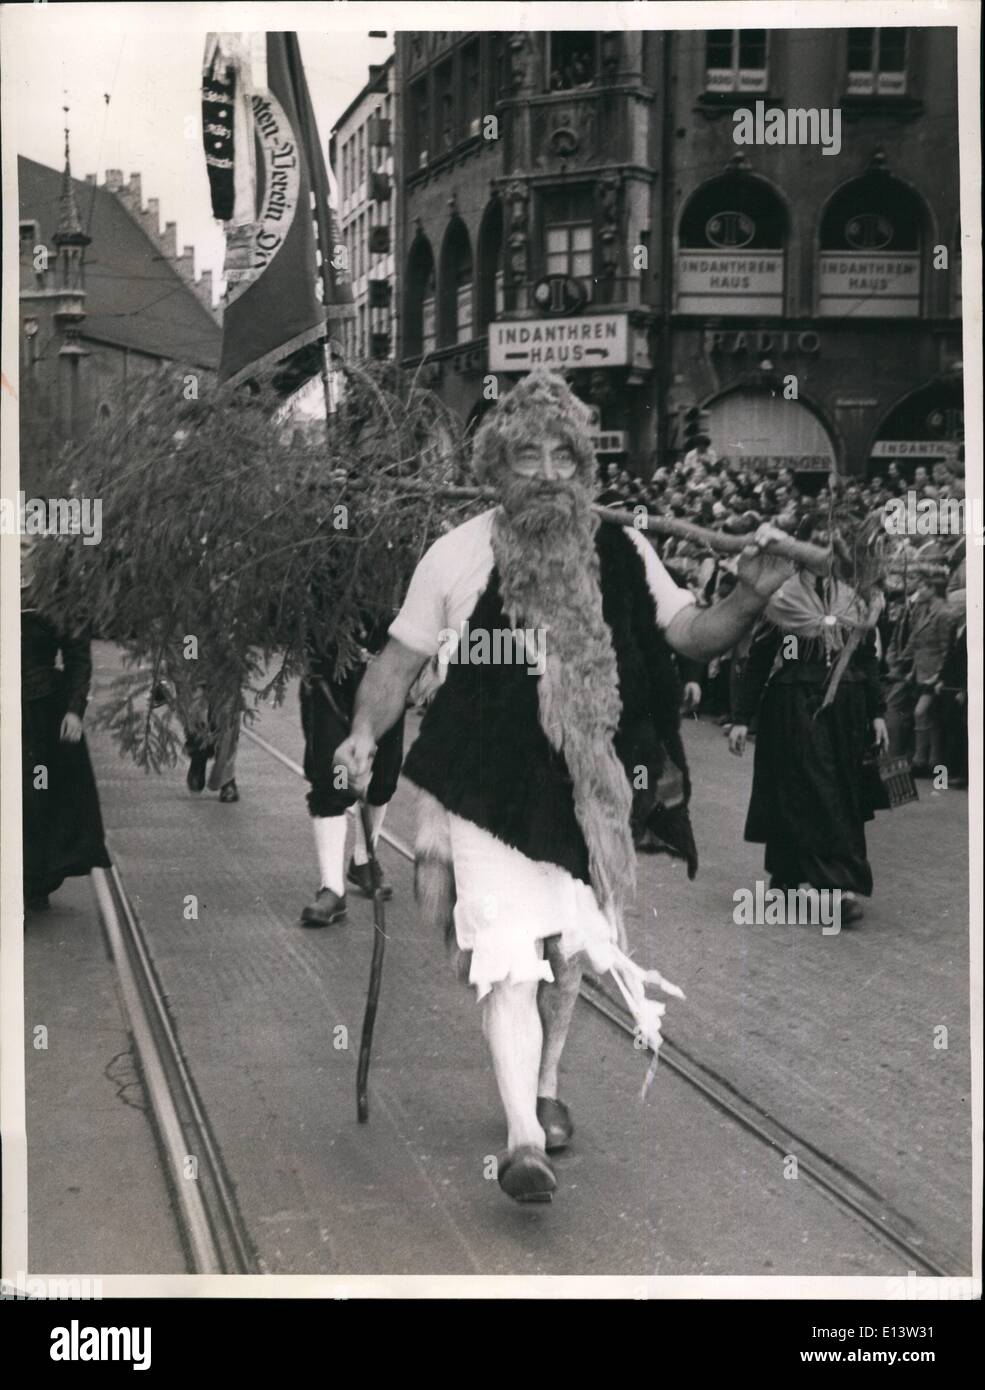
[{"x": 701, "y": 633}]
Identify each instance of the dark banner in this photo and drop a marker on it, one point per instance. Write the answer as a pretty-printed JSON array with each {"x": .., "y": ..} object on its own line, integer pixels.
[{"x": 273, "y": 306}]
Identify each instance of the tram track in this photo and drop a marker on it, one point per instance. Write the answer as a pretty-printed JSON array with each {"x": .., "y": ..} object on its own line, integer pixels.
[{"x": 213, "y": 1230}]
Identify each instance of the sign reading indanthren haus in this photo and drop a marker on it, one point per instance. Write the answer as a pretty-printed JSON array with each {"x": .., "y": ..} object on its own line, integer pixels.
[
  {"x": 591, "y": 340},
  {"x": 886, "y": 284},
  {"x": 729, "y": 282}
]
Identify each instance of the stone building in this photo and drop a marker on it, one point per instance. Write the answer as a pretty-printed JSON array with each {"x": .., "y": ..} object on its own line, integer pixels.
[
  {"x": 528, "y": 227},
  {"x": 361, "y": 156},
  {"x": 833, "y": 274},
  {"x": 579, "y": 199},
  {"x": 105, "y": 296}
]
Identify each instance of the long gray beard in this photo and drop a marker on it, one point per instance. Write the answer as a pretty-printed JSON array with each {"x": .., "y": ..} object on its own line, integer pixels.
[{"x": 544, "y": 546}]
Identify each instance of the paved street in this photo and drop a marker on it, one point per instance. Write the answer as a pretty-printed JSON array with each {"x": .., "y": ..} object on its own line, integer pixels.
[{"x": 833, "y": 1036}]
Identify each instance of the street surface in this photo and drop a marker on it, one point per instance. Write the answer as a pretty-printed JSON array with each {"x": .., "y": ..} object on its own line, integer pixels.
[{"x": 832, "y": 1035}]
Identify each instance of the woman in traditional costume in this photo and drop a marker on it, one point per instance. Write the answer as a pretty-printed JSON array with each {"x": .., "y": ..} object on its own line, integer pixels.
[
  {"x": 62, "y": 826},
  {"x": 812, "y": 684}
]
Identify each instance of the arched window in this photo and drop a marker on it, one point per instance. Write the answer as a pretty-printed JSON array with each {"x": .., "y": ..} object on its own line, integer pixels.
[
  {"x": 924, "y": 429},
  {"x": 490, "y": 266},
  {"x": 871, "y": 236},
  {"x": 419, "y": 299},
  {"x": 732, "y": 239},
  {"x": 455, "y": 312}
]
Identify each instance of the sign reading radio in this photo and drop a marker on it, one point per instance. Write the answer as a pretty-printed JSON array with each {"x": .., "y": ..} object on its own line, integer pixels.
[{"x": 595, "y": 340}]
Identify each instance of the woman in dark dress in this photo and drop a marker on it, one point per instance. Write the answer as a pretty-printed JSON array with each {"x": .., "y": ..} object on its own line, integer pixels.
[
  {"x": 62, "y": 826},
  {"x": 809, "y": 803}
]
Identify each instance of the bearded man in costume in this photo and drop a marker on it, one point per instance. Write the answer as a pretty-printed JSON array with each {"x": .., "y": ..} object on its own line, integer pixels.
[{"x": 537, "y": 769}]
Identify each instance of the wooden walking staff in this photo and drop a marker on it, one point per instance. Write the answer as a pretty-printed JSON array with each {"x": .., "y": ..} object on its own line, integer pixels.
[
  {"x": 375, "y": 969},
  {"x": 801, "y": 553}
]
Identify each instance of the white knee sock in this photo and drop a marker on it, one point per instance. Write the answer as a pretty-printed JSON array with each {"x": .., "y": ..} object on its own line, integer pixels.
[
  {"x": 376, "y": 814},
  {"x": 330, "y": 845}
]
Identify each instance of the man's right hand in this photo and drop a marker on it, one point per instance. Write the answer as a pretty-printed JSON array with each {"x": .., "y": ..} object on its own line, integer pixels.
[
  {"x": 355, "y": 754},
  {"x": 737, "y": 739}
]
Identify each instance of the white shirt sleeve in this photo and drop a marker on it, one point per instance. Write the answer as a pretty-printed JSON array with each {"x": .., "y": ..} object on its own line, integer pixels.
[
  {"x": 668, "y": 597},
  {"x": 422, "y": 618}
]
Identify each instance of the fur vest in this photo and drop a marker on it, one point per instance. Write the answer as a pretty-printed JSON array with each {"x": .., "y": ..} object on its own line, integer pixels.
[{"x": 482, "y": 754}]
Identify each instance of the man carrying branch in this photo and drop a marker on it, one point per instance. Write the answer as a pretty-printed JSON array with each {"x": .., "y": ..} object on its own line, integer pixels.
[{"x": 534, "y": 774}]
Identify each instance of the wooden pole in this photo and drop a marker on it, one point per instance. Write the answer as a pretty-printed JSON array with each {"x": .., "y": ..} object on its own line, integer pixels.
[{"x": 802, "y": 553}]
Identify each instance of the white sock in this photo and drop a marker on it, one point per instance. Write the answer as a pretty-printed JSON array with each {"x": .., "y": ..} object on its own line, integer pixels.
[
  {"x": 376, "y": 814},
  {"x": 330, "y": 845}
]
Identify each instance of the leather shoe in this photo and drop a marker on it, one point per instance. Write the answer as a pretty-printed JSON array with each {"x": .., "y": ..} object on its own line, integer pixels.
[
  {"x": 327, "y": 908},
  {"x": 361, "y": 877},
  {"x": 228, "y": 791},
  {"x": 526, "y": 1175},
  {"x": 555, "y": 1120}
]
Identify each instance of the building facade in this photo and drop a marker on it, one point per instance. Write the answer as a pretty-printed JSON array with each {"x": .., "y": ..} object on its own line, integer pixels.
[
  {"x": 528, "y": 222},
  {"x": 361, "y": 154},
  {"x": 105, "y": 298},
  {"x": 817, "y": 295},
  {"x": 580, "y": 200}
]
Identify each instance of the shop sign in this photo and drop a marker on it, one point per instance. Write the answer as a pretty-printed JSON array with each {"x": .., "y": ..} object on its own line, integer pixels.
[
  {"x": 594, "y": 340},
  {"x": 915, "y": 448},
  {"x": 729, "y": 282},
  {"x": 609, "y": 442},
  {"x": 886, "y": 285},
  {"x": 732, "y": 344}
]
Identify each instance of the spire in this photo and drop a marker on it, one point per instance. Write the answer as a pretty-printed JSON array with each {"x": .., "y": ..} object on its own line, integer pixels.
[{"x": 69, "y": 231}]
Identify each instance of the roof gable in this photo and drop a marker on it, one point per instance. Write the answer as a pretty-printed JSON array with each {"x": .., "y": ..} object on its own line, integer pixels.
[{"x": 135, "y": 298}]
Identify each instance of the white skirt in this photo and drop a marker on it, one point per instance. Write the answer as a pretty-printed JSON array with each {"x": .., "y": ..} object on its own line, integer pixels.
[{"x": 507, "y": 904}]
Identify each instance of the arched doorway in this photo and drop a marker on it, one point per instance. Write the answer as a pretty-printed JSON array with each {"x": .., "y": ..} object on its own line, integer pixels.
[
  {"x": 924, "y": 428},
  {"x": 760, "y": 430},
  {"x": 731, "y": 239}
]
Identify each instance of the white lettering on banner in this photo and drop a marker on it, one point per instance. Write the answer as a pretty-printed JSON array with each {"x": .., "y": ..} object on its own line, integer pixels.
[
  {"x": 281, "y": 186},
  {"x": 597, "y": 340}
]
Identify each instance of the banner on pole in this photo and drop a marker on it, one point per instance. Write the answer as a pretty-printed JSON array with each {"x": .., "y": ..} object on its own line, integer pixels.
[{"x": 281, "y": 283}]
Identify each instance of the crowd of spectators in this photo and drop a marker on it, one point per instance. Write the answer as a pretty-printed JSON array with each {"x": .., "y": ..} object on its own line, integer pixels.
[{"x": 921, "y": 639}]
